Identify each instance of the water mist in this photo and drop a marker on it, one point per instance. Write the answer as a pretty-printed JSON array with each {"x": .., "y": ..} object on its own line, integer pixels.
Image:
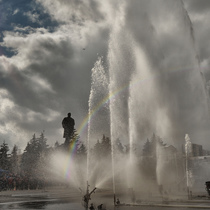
[
  {"x": 155, "y": 77},
  {"x": 154, "y": 83},
  {"x": 188, "y": 154},
  {"x": 98, "y": 123}
]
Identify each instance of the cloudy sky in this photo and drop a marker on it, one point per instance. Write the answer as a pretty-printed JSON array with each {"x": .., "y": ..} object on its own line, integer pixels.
[{"x": 47, "y": 51}]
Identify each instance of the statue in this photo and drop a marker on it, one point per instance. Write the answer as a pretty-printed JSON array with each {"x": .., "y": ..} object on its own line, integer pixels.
[{"x": 68, "y": 125}]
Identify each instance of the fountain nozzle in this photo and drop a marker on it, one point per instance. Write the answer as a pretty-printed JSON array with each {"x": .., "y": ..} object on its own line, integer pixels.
[{"x": 87, "y": 195}]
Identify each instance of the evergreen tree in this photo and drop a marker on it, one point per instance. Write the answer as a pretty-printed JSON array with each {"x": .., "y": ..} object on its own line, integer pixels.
[
  {"x": 149, "y": 161},
  {"x": 42, "y": 155},
  {"x": 4, "y": 159},
  {"x": 29, "y": 157},
  {"x": 106, "y": 146},
  {"x": 147, "y": 148},
  {"x": 103, "y": 149},
  {"x": 74, "y": 139},
  {"x": 14, "y": 164},
  {"x": 33, "y": 158},
  {"x": 82, "y": 152},
  {"x": 41, "y": 144},
  {"x": 97, "y": 150},
  {"x": 152, "y": 145},
  {"x": 58, "y": 147}
]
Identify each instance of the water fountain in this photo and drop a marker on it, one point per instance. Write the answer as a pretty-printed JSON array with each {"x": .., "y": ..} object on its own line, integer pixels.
[
  {"x": 97, "y": 103},
  {"x": 149, "y": 83},
  {"x": 154, "y": 81},
  {"x": 87, "y": 196},
  {"x": 188, "y": 154}
]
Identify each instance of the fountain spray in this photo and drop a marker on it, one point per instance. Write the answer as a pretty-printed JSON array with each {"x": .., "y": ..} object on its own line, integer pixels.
[
  {"x": 87, "y": 197},
  {"x": 188, "y": 151}
]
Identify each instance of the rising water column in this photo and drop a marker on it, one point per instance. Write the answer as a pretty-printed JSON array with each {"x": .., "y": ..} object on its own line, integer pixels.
[
  {"x": 98, "y": 122},
  {"x": 118, "y": 81},
  {"x": 167, "y": 97},
  {"x": 188, "y": 154}
]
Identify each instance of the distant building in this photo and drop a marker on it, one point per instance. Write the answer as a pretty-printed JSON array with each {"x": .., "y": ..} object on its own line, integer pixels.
[
  {"x": 171, "y": 149},
  {"x": 197, "y": 150}
]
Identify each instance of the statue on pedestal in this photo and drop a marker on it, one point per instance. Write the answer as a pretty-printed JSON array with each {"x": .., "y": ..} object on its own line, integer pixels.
[{"x": 68, "y": 125}]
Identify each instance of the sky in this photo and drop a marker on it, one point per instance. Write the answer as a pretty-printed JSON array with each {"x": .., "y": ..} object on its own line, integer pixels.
[{"x": 47, "y": 51}]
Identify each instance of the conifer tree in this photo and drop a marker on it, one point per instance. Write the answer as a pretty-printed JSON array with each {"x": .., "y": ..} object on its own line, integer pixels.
[
  {"x": 34, "y": 155},
  {"x": 97, "y": 150},
  {"x": 81, "y": 151},
  {"x": 74, "y": 140},
  {"x": 102, "y": 149},
  {"x": 4, "y": 160},
  {"x": 42, "y": 144},
  {"x": 106, "y": 146},
  {"x": 147, "y": 148},
  {"x": 29, "y": 157},
  {"x": 14, "y": 164}
]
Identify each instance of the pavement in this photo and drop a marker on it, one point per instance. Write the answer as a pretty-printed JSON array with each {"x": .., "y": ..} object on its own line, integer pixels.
[
  {"x": 55, "y": 193},
  {"x": 72, "y": 195}
]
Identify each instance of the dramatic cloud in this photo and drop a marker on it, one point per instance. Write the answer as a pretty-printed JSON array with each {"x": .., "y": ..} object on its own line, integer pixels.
[{"x": 45, "y": 66}]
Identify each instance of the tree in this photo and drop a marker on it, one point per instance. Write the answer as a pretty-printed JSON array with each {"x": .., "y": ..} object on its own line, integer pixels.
[
  {"x": 97, "y": 150},
  {"x": 4, "y": 160},
  {"x": 74, "y": 140},
  {"x": 82, "y": 151},
  {"x": 14, "y": 164},
  {"x": 41, "y": 144},
  {"x": 102, "y": 150},
  {"x": 34, "y": 155},
  {"x": 42, "y": 156},
  {"x": 147, "y": 148},
  {"x": 149, "y": 162},
  {"x": 29, "y": 157},
  {"x": 106, "y": 146}
]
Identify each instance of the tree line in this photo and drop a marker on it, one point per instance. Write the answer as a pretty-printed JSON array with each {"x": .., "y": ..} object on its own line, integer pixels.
[{"x": 37, "y": 153}]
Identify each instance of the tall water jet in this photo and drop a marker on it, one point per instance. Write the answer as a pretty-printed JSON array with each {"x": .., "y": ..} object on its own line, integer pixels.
[
  {"x": 154, "y": 76},
  {"x": 98, "y": 122},
  {"x": 168, "y": 85},
  {"x": 154, "y": 82},
  {"x": 118, "y": 81},
  {"x": 188, "y": 154}
]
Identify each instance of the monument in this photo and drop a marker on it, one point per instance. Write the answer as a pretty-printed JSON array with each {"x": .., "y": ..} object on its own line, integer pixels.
[{"x": 68, "y": 125}]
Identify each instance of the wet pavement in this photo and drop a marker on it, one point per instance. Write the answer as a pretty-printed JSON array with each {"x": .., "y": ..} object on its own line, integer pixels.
[
  {"x": 62, "y": 205},
  {"x": 71, "y": 199}
]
